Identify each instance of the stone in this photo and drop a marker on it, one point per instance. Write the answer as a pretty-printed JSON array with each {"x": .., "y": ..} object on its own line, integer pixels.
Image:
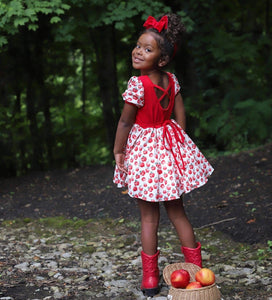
[
  {"x": 66, "y": 255},
  {"x": 58, "y": 295},
  {"x": 58, "y": 276},
  {"x": 55, "y": 264},
  {"x": 23, "y": 266},
  {"x": 35, "y": 266},
  {"x": 40, "y": 278},
  {"x": 52, "y": 265}
]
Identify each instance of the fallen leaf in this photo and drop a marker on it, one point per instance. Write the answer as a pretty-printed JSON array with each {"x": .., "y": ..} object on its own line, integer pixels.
[
  {"x": 251, "y": 221},
  {"x": 125, "y": 192}
]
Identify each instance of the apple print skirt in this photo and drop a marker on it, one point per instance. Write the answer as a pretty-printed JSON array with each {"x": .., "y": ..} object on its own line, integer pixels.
[{"x": 162, "y": 163}]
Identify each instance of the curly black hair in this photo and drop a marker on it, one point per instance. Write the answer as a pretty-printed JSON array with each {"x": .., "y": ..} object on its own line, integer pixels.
[{"x": 168, "y": 39}]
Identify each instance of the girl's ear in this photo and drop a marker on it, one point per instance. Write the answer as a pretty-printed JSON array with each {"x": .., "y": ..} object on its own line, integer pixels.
[{"x": 164, "y": 60}]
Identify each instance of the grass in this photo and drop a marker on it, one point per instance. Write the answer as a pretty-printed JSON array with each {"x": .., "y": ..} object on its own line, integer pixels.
[{"x": 88, "y": 231}]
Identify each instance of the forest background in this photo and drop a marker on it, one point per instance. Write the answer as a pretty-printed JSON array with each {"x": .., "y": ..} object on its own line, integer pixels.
[{"x": 65, "y": 63}]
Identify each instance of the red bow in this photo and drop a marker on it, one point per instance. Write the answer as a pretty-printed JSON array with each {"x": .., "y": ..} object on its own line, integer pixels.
[{"x": 152, "y": 23}]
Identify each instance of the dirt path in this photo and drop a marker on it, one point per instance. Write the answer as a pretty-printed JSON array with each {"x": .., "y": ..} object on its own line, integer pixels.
[{"x": 237, "y": 198}]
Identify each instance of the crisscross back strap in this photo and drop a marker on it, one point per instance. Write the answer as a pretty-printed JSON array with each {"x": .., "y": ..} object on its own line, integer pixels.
[{"x": 165, "y": 93}]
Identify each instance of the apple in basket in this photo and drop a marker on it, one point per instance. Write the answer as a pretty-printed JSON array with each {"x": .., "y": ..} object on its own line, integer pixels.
[
  {"x": 194, "y": 285},
  {"x": 205, "y": 276},
  {"x": 180, "y": 278}
]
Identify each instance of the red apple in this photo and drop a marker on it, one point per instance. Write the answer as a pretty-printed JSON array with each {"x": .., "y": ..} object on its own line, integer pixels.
[
  {"x": 180, "y": 278},
  {"x": 205, "y": 276},
  {"x": 194, "y": 285}
]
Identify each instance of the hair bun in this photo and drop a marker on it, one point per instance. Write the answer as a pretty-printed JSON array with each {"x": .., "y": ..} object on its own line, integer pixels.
[{"x": 175, "y": 29}]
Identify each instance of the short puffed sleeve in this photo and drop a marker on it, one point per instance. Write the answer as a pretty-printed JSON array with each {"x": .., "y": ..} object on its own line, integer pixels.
[
  {"x": 177, "y": 86},
  {"x": 134, "y": 93}
]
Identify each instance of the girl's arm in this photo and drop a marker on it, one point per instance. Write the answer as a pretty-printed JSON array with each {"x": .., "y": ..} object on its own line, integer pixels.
[
  {"x": 125, "y": 123},
  {"x": 179, "y": 111}
]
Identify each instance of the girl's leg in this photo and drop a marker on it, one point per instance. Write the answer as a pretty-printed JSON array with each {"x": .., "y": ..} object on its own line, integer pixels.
[
  {"x": 150, "y": 217},
  {"x": 178, "y": 217}
]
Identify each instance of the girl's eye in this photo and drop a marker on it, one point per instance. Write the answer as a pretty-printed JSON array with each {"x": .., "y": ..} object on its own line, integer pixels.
[
  {"x": 148, "y": 50},
  {"x": 137, "y": 46}
]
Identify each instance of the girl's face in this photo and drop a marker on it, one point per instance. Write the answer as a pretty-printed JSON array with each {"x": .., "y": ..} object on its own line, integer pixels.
[{"x": 146, "y": 56}]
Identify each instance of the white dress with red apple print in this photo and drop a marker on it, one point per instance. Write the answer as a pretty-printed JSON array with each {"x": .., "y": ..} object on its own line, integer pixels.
[{"x": 161, "y": 159}]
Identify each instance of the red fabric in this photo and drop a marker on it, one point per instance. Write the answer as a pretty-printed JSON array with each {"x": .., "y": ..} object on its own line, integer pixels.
[
  {"x": 152, "y": 114},
  {"x": 169, "y": 140},
  {"x": 154, "y": 172},
  {"x": 151, "y": 22}
]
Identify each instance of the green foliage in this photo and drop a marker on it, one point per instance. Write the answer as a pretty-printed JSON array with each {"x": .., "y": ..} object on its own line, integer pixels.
[
  {"x": 264, "y": 253},
  {"x": 61, "y": 222},
  {"x": 243, "y": 124},
  {"x": 234, "y": 100},
  {"x": 118, "y": 13},
  {"x": 68, "y": 125},
  {"x": 186, "y": 20},
  {"x": 93, "y": 153},
  {"x": 51, "y": 111},
  {"x": 50, "y": 222},
  {"x": 17, "y": 13}
]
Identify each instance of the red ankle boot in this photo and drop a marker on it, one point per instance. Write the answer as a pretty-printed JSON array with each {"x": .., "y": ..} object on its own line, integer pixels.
[
  {"x": 151, "y": 276},
  {"x": 193, "y": 255}
]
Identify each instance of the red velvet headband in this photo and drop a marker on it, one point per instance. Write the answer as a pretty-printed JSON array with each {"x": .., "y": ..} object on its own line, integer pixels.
[{"x": 159, "y": 25}]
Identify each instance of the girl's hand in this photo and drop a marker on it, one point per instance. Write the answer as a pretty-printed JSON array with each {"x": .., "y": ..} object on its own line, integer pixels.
[{"x": 119, "y": 159}]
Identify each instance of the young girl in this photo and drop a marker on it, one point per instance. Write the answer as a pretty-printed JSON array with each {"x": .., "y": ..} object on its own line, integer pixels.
[{"x": 155, "y": 158}]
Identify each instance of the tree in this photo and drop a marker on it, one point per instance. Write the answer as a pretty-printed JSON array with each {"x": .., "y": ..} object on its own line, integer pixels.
[
  {"x": 57, "y": 37},
  {"x": 24, "y": 26},
  {"x": 64, "y": 65},
  {"x": 231, "y": 59}
]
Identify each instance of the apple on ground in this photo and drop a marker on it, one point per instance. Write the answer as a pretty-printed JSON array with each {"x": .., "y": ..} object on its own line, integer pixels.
[
  {"x": 205, "y": 276},
  {"x": 194, "y": 285},
  {"x": 180, "y": 278}
]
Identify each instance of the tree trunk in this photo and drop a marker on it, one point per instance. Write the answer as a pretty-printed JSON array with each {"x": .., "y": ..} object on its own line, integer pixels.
[
  {"x": 44, "y": 94},
  {"x": 103, "y": 41},
  {"x": 83, "y": 97},
  {"x": 83, "y": 89},
  {"x": 267, "y": 17},
  {"x": 22, "y": 144},
  {"x": 36, "y": 157}
]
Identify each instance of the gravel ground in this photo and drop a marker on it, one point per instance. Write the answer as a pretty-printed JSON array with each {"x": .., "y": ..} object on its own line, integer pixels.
[
  {"x": 237, "y": 198},
  {"x": 100, "y": 259},
  {"x": 93, "y": 251}
]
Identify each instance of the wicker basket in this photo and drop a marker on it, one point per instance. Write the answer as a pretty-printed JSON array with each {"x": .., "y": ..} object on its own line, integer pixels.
[{"x": 210, "y": 292}]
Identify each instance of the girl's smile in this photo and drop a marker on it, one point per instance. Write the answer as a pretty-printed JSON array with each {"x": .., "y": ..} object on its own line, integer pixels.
[
  {"x": 149, "y": 147},
  {"x": 146, "y": 55}
]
